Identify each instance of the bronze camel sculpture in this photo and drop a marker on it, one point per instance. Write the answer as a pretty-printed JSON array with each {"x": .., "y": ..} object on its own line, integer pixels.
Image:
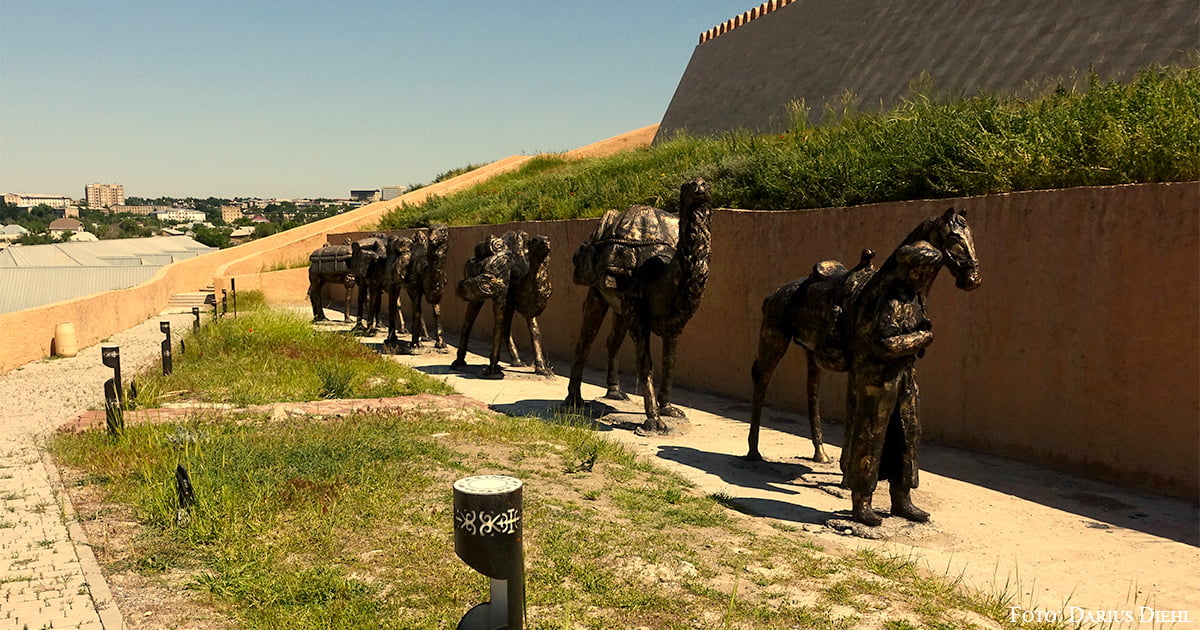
[
  {"x": 513, "y": 272},
  {"x": 328, "y": 265},
  {"x": 650, "y": 267},
  {"x": 811, "y": 312}
]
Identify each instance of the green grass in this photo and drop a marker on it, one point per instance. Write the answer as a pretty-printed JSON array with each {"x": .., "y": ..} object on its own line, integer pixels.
[
  {"x": 1109, "y": 133},
  {"x": 345, "y": 522},
  {"x": 264, "y": 356}
]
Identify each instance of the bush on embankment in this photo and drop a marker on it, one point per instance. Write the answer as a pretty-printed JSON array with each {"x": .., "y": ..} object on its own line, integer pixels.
[{"x": 1147, "y": 130}]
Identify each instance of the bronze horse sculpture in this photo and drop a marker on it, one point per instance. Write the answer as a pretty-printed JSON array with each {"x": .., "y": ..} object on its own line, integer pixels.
[{"x": 812, "y": 312}]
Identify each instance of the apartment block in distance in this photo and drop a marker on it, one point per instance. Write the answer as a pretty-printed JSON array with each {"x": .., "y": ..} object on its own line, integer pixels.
[{"x": 104, "y": 195}]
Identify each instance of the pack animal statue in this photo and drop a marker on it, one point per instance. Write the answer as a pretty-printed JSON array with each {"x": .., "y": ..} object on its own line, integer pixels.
[
  {"x": 650, "y": 267},
  {"x": 512, "y": 272},
  {"x": 890, "y": 330},
  {"x": 426, "y": 281},
  {"x": 329, "y": 264},
  {"x": 813, "y": 311},
  {"x": 368, "y": 261},
  {"x": 395, "y": 279}
]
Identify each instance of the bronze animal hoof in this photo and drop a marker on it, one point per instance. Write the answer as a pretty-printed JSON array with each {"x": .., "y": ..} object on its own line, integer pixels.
[
  {"x": 459, "y": 365},
  {"x": 545, "y": 370},
  {"x": 493, "y": 373},
  {"x": 574, "y": 401},
  {"x": 616, "y": 394},
  {"x": 671, "y": 411},
  {"x": 652, "y": 428},
  {"x": 820, "y": 457},
  {"x": 753, "y": 456}
]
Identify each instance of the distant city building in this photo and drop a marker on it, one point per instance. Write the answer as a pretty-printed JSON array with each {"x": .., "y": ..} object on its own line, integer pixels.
[
  {"x": 180, "y": 215},
  {"x": 391, "y": 192},
  {"x": 104, "y": 195},
  {"x": 365, "y": 196},
  {"x": 31, "y": 200},
  {"x": 69, "y": 211},
  {"x": 229, "y": 214},
  {"x": 58, "y": 226},
  {"x": 142, "y": 210},
  {"x": 9, "y": 233}
]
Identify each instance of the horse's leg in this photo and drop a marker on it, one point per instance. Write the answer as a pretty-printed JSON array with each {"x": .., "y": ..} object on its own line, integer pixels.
[
  {"x": 670, "y": 346},
  {"x": 615, "y": 338},
  {"x": 460, "y": 359},
  {"x": 772, "y": 345},
  {"x": 814, "y": 408},
  {"x": 539, "y": 360},
  {"x": 594, "y": 310}
]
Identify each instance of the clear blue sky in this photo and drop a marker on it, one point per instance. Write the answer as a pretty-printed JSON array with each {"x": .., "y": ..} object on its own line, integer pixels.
[{"x": 312, "y": 98}]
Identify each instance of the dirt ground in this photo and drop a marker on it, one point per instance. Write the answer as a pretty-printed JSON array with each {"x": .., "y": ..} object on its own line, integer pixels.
[{"x": 1058, "y": 544}]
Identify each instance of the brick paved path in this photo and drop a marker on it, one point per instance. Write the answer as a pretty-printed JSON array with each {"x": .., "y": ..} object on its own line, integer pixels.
[{"x": 48, "y": 575}]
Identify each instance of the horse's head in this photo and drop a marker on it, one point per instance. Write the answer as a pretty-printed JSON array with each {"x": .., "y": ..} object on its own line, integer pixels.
[{"x": 953, "y": 236}]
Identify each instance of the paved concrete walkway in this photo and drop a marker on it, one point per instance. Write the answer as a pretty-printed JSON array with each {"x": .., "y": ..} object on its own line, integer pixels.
[
  {"x": 48, "y": 575},
  {"x": 1051, "y": 541}
]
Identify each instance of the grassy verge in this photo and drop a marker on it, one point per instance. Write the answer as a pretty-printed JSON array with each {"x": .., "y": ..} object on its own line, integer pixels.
[
  {"x": 346, "y": 523},
  {"x": 264, "y": 356},
  {"x": 1147, "y": 130}
]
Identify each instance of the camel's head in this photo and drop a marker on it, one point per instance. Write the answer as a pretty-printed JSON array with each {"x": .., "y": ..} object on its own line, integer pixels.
[
  {"x": 439, "y": 238},
  {"x": 694, "y": 193},
  {"x": 539, "y": 247}
]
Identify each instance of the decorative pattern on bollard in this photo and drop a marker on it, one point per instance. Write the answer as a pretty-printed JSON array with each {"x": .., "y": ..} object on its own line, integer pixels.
[
  {"x": 167, "y": 363},
  {"x": 114, "y": 395},
  {"x": 489, "y": 536}
]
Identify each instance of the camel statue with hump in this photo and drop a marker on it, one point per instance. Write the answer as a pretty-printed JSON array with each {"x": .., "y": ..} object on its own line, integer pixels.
[{"x": 650, "y": 267}]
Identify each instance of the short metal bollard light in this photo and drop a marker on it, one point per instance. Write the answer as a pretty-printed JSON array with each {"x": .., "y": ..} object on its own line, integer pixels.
[
  {"x": 196, "y": 315},
  {"x": 233, "y": 293},
  {"x": 114, "y": 397},
  {"x": 167, "y": 363},
  {"x": 489, "y": 536}
]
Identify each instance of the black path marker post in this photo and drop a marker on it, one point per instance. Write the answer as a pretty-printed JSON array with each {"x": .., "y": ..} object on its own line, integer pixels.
[
  {"x": 196, "y": 315},
  {"x": 233, "y": 291},
  {"x": 185, "y": 494},
  {"x": 167, "y": 364},
  {"x": 224, "y": 301},
  {"x": 216, "y": 313},
  {"x": 114, "y": 398},
  {"x": 489, "y": 536}
]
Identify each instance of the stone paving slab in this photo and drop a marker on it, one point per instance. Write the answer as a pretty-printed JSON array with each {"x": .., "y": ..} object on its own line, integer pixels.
[{"x": 49, "y": 577}]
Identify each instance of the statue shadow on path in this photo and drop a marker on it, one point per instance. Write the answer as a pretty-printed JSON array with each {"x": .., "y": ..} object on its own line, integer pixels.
[{"x": 786, "y": 478}]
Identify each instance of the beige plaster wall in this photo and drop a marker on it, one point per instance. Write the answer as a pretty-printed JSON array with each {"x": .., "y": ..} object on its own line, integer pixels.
[
  {"x": 1081, "y": 350},
  {"x": 27, "y": 334}
]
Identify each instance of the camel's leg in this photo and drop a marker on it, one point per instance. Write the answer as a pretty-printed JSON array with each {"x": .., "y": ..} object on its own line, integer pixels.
[
  {"x": 439, "y": 342},
  {"x": 417, "y": 321},
  {"x": 500, "y": 314},
  {"x": 393, "y": 309},
  {"x": 772, "y": 345},
  {"x": 362, "y": 303},
  {"x": 814, "y": 409},
  {"x": 460, "y": 359},
  {"x": 514, "y": 354},
  {"x": 594, "y": 310},
  {"x": 645, "y": 368},
  {"x": 539, "y": 360},
  {"x": 615, "y": 338},
  {"x": 401, "y": 325},
  {"x": 314, "y": 297},
  {"x": 670, "y": 346}
]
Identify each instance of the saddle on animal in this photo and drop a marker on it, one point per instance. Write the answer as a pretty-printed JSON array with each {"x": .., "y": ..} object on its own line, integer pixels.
[
  {"x": 623, "y": 242},
  {"x": 331, "y": 259}
]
